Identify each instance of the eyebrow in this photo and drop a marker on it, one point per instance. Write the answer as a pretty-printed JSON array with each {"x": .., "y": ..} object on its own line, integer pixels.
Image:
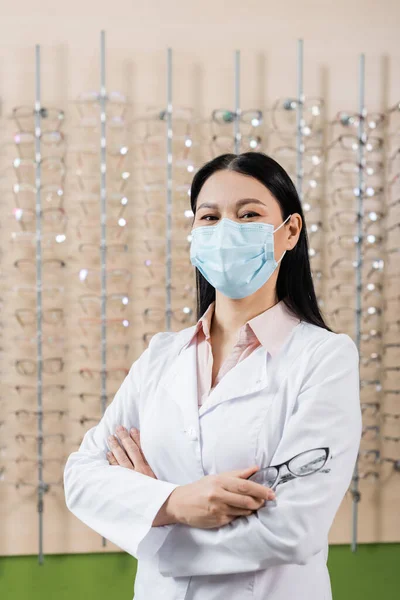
[{"x": 239, "y": 203}]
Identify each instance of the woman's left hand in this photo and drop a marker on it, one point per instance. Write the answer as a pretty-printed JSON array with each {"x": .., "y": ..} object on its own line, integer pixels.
[{"x": 129, "y": 454}]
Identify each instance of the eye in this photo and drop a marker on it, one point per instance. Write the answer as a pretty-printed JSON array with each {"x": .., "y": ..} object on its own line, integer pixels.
[
  {"x": 250, "y": 215},
  {"x": 208, "y": 217}
]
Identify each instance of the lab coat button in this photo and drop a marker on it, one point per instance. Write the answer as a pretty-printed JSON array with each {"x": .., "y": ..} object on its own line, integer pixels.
[{"x": 192, "y": 433}]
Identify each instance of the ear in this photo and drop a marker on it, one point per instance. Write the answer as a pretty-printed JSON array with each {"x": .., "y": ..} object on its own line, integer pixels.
[{"x": 295, "y": 226}]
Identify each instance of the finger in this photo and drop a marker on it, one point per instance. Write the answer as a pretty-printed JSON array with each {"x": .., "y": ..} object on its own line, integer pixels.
[
  {"x": 111, "y": 458},
  {"x": 237, "y": 512},
  {"x": 243, "y": 473},
  {"x": 120, "y": 454},
  {"x": 131, "y": 448},
  {"x": 240, "y": 501},
  {"x": 135, "y": 435},
  {"x": 248, "y": 488}
]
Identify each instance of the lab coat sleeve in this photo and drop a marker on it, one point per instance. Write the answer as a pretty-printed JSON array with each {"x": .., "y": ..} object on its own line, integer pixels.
[
  {"x": 118, "y": 503},
  {"x": 294, "y": 527}
]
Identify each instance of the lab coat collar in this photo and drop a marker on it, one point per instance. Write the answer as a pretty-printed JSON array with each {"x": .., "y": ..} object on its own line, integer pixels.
[
  {"x": 180, "y": 381},
  {"x": 271, "y": 327}
]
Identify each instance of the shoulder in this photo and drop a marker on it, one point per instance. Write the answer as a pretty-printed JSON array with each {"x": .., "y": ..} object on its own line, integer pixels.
[
  {"x": 163, "y": 348},
  {"x": 166, "y": 345},
  {"x": 320, "y": 346}
]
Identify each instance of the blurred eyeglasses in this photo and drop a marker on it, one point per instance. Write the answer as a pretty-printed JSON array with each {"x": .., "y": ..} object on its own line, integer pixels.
[
  {"x": 284, "y": 115},
  {"x": 24, "y": 195},
  {"x": 155, "y": 221},
  {"x": 155, "y": 147},
  {"x": 93, "y": 398},
  {"x": 224, "y": 116},
  {"x": 85, "y": 159},
  {"x": 370, "y": 409},
  {"x": 50, "y": 389},
  {"x": 117, "y": 374},
  {"x": 157, "y": 315},
  {"x": 351, "y": 120},
  {"x": 311, "y": 158},
  {"x": 301, "y": 465},
  {"x": 148, "y": 272},
  {"x": 56, "y": 342},
  {"x": 115, "y": 252},
  {"x": 371, "y": 385},
  {"x": 370, "y": 143},
  {"x": 88, "y": 104},
  {"x": 220, "y": 144},
  {"x": 347, "y": 289},
  {"x": 115, "y": 277},
  {"x": 350, "y": 167},
  {"x": 117, "y": 203},
  {"x": 54, "y": 220},
  {"x": 30, "y": 416},
  {"x": 88, "y": 231},
  {"x": 28, "y": 292},
  {"x": 52, "y": 170},
  {"x": 152, "y": 192},
  {"x": 26, "y": 240},
  {"x": 155, "y": 247},
  {"x": 87, "y": 131},
  {"x": 114, "y": 351},
  {"x": 144, "y": 338},
  {"x": 114, "y": 326},
  {"x": 348, "y": 217},
  {"x": 90, "y": 184},
  {"x": 51, "y": 119},
  {"x": 52, "y": 143},
  {"x": 27, "y": 317},
  {"x": 153, "y": 120},
  {"x": 52, "y": 266},
  {"x": 51, "y": 366},
  {"x": 116, "y": 303},
  {"x": 154, "y": 171},
  {"x": 392, "y": 418},
  {"x": 343, "y": 265},
  {"x": 346, "y": 313},
  {"x": 348, "y": 194},
  {"x": 368, "y": 476},
  {"x": 371, "y": 455},
  {"x": 349, "y": 242},
  {"x": 156, "y": 292}
]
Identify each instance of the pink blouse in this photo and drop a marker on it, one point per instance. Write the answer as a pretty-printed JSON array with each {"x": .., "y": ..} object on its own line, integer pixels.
[{"x": 269, "y": 328}]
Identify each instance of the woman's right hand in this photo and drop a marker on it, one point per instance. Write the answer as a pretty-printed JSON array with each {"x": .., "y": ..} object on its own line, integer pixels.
[{"x": 214, "y": 500}]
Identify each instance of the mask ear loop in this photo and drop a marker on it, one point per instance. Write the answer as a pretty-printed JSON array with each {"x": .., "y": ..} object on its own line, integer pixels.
[
  {"x": 282, "y": 224},
  {"x": 284, "y": 252}
]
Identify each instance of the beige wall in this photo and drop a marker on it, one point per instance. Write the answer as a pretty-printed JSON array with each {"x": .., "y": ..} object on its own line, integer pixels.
[{"x": 203, "y": 37}]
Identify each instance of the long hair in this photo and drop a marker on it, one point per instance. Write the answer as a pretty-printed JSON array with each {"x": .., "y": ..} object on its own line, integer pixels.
[{"x": 294, "y": 283}]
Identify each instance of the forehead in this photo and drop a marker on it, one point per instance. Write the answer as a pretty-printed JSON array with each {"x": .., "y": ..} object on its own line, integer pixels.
[{"x": 229, "y": 186}]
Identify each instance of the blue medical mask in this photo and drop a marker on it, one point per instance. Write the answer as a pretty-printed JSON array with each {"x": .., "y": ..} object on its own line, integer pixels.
[{"x": 235, "y": 258}]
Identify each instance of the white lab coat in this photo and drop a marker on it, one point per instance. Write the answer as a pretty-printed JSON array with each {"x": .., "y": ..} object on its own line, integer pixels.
[{"x": 264, "y": 411}]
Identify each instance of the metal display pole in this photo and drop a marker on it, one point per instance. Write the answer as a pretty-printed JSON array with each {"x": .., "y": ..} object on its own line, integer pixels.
[
  {"x": 299, "y": 120},
  {"x": 168, "y": 275},
  {"x": 236, "y": 123},
  {"x": 42, "y": 487},
  {"x": 103, "y": 220},
  {"x": 359, "y": 262}
]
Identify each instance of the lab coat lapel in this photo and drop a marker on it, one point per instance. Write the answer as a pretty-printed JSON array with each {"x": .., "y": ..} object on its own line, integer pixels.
[
  {"x": 247, "y": 377},
  {"x": 180, "y": 383}
]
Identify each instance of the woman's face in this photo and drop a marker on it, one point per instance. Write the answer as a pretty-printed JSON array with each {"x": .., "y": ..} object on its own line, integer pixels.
[{"x": 231, "y": 195}]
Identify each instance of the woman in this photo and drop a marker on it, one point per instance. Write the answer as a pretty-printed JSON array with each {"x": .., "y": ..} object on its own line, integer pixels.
[{"x": 259, "y": 380}]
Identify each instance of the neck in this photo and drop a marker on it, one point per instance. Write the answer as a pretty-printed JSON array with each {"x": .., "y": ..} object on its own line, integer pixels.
[{"x": 230, "y": 315}]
